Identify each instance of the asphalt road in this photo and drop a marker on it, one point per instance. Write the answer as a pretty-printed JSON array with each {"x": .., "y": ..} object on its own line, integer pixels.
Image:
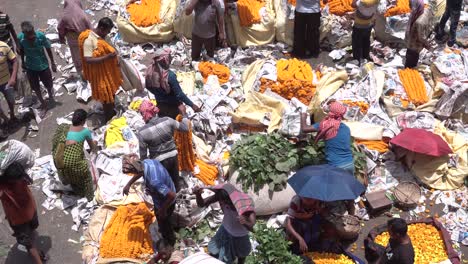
[{"x": 55, "y": 234}]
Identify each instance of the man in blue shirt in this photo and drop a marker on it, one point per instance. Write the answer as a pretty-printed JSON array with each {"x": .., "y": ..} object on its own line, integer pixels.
[
  {"x": 32, "y": 44},
  {"x": 159, "y": 185}
]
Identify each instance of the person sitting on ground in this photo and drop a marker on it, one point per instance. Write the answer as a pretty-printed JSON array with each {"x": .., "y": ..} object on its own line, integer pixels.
[
  {"x": 68, "y": 153},
  {"x": 166, "y": 253},
  {"x": 399, "y": 249},
  {"x": 20, "y": 208},
  {"x": 417, "y": 32},
  {"x": 162, "y": 82},
  {"x": 159, "y": 185},
  {"x": 157, "y": 136},
  {"x": 231, "y": 241},
  {"x": 8, "y": 81},
  {"x": 32, "y": 44}
]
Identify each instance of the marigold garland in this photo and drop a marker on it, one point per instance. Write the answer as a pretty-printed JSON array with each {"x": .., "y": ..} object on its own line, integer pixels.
[
  {"x": 208, "y": 173},
  {"x": 146, "y": 13},
  {"x": 292, "y": 2},
  {"x": 402, "y": 7},
  {"x": 329, "y": 258},
  {"x": 295, "y": 79},
  {"x": 377, "y": 145},
  {"x": 427, "y": 243},
  {"x": 127, "y": 234},
  {"x": 363, "y": 106},
  {"x": 186, "y": 155},
  {"x": 249, "y": 12},
  {"x": 207, "y": 68},
  {"x": 339, "y": 7},
  {"x": 414, "y": 86},
  {"x": 105, "y": 77}
]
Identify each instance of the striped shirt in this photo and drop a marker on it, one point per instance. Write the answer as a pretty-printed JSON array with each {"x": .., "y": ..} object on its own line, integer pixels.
[
  {"x": 5, "y": 25},
  {"x": 157, "y": 136},
  {"x": 6, "y": 54}
]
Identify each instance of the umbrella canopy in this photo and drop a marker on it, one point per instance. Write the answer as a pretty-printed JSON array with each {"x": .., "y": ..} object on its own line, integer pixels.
[
  {"x": 326, "y": 183},
  {"x": 422, "y": 141}
]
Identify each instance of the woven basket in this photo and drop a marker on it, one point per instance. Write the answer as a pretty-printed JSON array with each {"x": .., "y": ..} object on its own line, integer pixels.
[{"x": 407, "y": 194}]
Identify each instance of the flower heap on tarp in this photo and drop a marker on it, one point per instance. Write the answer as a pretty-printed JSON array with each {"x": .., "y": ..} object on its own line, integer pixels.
[
  {"x": 414, "y": 86},
  {"x": 207, "y": 68},
  {"x": 249, "y": 12},
  {"x": 146, "y": 13},
  {"x": 329, "y": 258}
]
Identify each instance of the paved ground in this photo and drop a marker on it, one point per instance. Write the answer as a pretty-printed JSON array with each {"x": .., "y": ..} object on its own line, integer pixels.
[{"x": 55, "y": 235}]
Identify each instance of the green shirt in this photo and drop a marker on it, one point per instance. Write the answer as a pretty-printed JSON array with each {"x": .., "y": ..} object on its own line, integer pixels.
[{"x": 35, "y": 55}]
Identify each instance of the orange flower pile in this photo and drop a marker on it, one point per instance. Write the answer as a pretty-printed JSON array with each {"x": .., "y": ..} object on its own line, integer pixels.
[
  {"x": 402, "y": 7},
  {"x": 292, "y": 2},
  {"x": 105, "y": 77},
  {"x": 363, "y": 106},
  {"x": 294, "y": 80},
  {"x": 414, "y": 86},
  {"x": 339, "y": 7},
  {"x": 377, "y": 145},
  {"x": 427, "y": 243},
  {"x": 146, "y": 13},
  {"x": 207, "y": 68},
  {"x": 127, "y": 234},
  {"x": 249, "y": 12},
  {"x": 208, "y": 173},
  {"x": 329, "y": 258},
  {"x": 185, "y": 148}
]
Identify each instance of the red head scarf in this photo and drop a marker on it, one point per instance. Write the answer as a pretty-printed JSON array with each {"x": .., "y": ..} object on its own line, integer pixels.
[{"x": 328, "y": 128}]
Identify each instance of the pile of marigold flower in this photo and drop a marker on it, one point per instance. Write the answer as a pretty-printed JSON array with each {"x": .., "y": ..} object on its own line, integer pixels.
[
  {"x": 207, "y": 68},
  {"x": 329, "y": 258},
  {"x": 414, "y": 86},
  {"x": 208, "y": 173},
  {"x": 294, "y": 79},
  {"x": 146, "y": 13},
  {"x": 339, "y": 7},
  {"x": 186, "y": 155},
  {"x": 127, "y": 234},
  {"x": 427, "y": 243},
  {"x": 363, "y": 106},
  {"x": 249, "y": 11},
  {"x": 402, "y": 7}
]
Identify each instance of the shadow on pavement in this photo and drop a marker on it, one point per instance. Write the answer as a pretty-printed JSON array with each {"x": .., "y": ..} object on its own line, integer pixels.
[{"x": 17, "y": 256}]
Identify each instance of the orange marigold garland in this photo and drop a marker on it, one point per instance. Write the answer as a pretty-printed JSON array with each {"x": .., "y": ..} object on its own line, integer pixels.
[
  {"x": 208, "y": 173},
  {"x": 105, "y": 77},
  {"x": 295, "y": 79},
  {"x": 414, "y": 86},
  {"x": 186, "y": 155},
  {"x": 377, "y": 145},
  {"x": 339, "y": 7},
  {"x": 146, "y": 13},
  {"x": 402, "y": 7},
  {"x": 363, "y": 106},
  {"x": 292, "y": 2},
  {"x": 249, "y": 12},
  {"x": 207, "y": 68},
  {"x": 127, "y": 234}
]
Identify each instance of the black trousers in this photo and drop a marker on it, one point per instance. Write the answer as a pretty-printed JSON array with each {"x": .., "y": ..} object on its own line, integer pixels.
[
  {"x": 361, "y": 43},
  {"x": 452, "y": 11},
  {"x": 412, "y": 58},
  {"x": 306, "y": 34},
  {"x": 198, "y": 43},
  {"x": 165, "y": 227},
  {"x": 172, "y": 167}
]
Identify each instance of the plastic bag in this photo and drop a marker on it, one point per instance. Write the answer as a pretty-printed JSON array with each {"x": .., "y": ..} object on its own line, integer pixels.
[{"x": 15, "y": 151}]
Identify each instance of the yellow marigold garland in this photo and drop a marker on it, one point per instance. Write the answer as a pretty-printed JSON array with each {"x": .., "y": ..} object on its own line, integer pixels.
[
  {"x": 146, "y": 13},
  {"x": 402, "y": 7},
  {"x": 249, "y": 12},
  {"x": 295, "y": 79},
  {"x": 208, "y": 173},
  {"x": 207, "y": 68},
  {"x": 186, "y": 155},
  {"x": 339, "y": 7},
  {"x": 363, "y": 106},
  {"x": 427, "y": 243},
  {"x": 127, "y": 234},
  {"x": 414, "y": 86},
  {"x": 329, "y": 258},
  {"x": 377, "y": 145},
  {"x": 105, "y": 77}
]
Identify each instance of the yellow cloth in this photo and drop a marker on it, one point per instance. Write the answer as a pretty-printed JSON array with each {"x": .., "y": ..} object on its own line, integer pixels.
[
  {"x": 114, "y": 131},
  {"x": 6, "y": 54},
  {"x": 249, "y": 75},
  {"x": 135, "y": 105},
  {"x": 435, "y": 172},
  {"x": 187, "y": 82},
  {"x": 161, "y": 32},
  {"x": 365, "y": 131},
  {"x": 90, "y": 44},
  {"x": 253, "y": 110}
]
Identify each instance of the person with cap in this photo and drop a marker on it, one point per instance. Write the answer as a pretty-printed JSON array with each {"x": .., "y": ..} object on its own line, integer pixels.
[
  {"x": 163, "y": 83},
  {"x": 157, "y": 136},
  {"x": 231, "y": 241},
  {"x": 364, "y": 18},
  {"x": 159, "y": 185},
  {"x": 452, "y": 11},
  {"x": 417, "y": 32}
]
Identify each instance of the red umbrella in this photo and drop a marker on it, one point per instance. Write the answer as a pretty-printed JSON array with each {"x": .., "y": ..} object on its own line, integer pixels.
[{"x": 422, "y": 141}]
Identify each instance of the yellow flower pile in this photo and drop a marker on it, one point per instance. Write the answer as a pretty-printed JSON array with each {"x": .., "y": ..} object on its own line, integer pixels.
[
  {"x": 329, "y": 258},
  {"x": 427, "y": 243},
  {"x": 363, "y": 106},
  {"x": 249, "y": 11},
  {"x": 294, "y": 80},
  {"x": 146, "y": 13},
  {"x": 208, "y": 173},
  {"x": 414, "y": 86},
  {"x": 207, "y": 68},
  {"x": 127, "y": 234},
  {"x": 135, "y": 105},
  {"x": 402, "y": 7},
  {"x": 377, "y": 145},
  {"x": 186, "y": 155},
  {"x": 339, "y": 7}
]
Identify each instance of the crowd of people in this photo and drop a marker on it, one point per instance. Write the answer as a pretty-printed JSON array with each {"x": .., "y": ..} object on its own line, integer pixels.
[{"x": 157, "y": 163}]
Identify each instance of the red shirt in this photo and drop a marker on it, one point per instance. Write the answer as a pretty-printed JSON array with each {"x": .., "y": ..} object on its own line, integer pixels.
[{"x": 18, "y": 202}]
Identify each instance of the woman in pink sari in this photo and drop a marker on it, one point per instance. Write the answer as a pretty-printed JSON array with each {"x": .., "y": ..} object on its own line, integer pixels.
[{"x": 73, "y": 22}]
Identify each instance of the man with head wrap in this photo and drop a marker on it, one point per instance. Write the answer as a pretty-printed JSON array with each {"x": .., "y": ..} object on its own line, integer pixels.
[
  {"x": 159, "y": 185},
  {"x": 157, "y": 136},
  {"x": 162, "y": 82}
]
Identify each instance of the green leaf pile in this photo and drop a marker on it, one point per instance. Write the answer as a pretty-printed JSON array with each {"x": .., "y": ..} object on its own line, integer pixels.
[
  {"x": 273, "y": 248},
  {"x": 197, "y": 233}
]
